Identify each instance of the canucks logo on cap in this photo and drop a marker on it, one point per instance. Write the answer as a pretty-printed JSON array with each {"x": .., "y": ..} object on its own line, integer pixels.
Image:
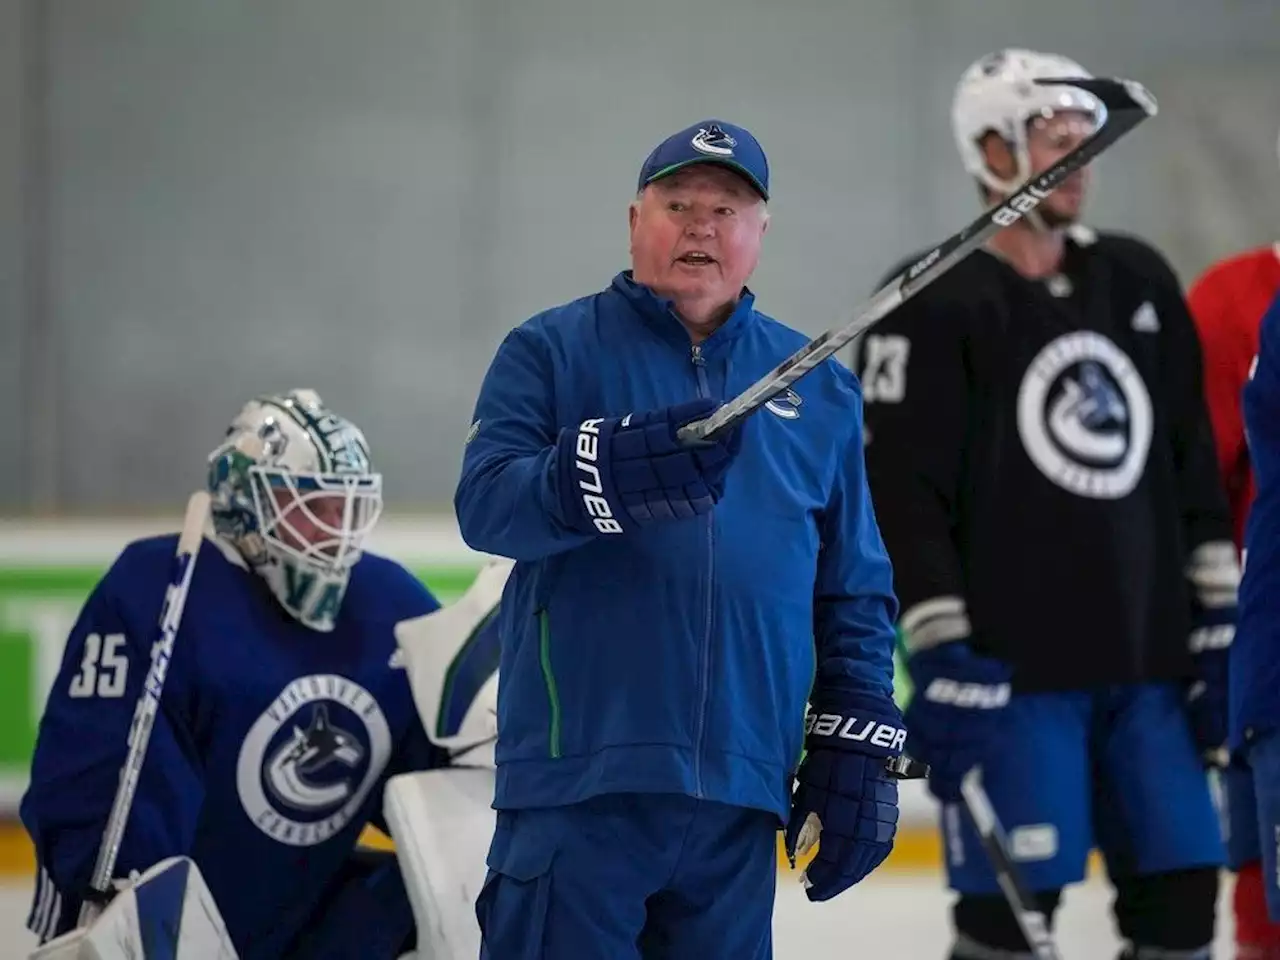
[{"x": 713, "y": 141}]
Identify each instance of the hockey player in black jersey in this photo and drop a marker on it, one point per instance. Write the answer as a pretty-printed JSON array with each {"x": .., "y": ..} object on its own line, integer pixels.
[{"x": 1044, "y": 475}]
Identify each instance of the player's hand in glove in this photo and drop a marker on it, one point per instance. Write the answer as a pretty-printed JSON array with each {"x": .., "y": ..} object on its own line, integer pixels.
[
  {"x": 844, "y": 794},
  {"x": 621, "y": 473},
  {"x": 955, "y": 712},
  {"x": 1215, "y": 578},
  {"x": 1210, "y": 644}
]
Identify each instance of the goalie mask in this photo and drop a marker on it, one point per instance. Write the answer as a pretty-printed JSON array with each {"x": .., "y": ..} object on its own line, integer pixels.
[
  {"x": 294, "y": 492},
  {"x": 997, "y": 95}
]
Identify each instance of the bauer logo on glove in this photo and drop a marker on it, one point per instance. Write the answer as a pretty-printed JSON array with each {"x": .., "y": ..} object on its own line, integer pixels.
[
  {"x": 593, "y": 503},
  {"x": 619, "y": 474},
  {"x": 855, "y": 729}
]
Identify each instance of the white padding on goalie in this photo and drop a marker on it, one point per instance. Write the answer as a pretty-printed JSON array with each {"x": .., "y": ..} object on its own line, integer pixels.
[
  {"x": 442, "y": 822},
  {"x": 168, "y": 912},
  {"x": 431, "y": 644}
]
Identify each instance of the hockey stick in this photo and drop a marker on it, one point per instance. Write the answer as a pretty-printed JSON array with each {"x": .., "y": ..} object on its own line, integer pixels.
[
  {"x": 1033, "y": 924},
  {"x": 1125, "y": 104},
  {"x": 144, "y": 714}
]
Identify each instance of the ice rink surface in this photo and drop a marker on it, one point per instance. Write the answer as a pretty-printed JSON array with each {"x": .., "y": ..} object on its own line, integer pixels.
[{"x": 885, "y": 918}]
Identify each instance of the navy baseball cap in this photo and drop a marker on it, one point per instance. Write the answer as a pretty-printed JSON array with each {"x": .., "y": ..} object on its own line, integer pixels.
[{"x": 711, "y": 141}]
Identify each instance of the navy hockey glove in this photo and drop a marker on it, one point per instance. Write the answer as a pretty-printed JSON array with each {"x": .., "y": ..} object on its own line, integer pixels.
[
  {"x": 619, "y": 473},
  {"x": 1210, "y": 645},
  {"x": 844, "y": 792},
  {"x": 955, "y": 712},
  {"x": 1214, "y": 572}
]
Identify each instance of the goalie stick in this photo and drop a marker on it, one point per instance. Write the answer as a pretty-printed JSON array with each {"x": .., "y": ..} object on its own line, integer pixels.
[
  {"x": 144, "y": 714},
  {"x": 1125, "y": 104},
  {"x": 1033, "y": 924}
]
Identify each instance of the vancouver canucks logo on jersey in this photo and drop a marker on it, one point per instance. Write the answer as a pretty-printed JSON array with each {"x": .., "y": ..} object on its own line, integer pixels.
[
  {"x": 309, "y": 761},
  {"x": 299, "y": 772},
  {"x": 1084, "y": 415}
]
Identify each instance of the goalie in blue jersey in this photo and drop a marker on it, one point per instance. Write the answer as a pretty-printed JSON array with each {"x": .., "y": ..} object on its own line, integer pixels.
[{"x": 284, "y": 711}]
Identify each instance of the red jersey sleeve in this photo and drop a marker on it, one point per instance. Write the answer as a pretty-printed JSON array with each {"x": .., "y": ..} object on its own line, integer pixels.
[
  {"x": 1228, "y": 352},
  {"x": 1227, "y": 303}
]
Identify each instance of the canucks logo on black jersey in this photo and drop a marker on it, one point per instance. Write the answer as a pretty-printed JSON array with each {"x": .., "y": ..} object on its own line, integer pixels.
[
  {"x": 309, "y": 761},
  {"x": 1084, "y": 415}
]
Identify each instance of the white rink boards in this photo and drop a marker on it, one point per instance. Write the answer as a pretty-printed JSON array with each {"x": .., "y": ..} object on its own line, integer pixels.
[{"x": 895, "y": 917}]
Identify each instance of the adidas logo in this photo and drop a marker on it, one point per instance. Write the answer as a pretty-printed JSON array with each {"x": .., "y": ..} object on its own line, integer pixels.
[{"x": 1145, "y": 319}]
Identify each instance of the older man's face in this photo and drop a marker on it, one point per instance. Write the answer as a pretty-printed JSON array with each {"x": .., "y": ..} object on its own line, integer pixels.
[{"x": 696, "y": 236}]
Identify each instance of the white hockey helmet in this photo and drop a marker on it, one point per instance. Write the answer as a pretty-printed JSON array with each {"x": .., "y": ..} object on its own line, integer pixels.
[
  {"x": 294, "y": 491},
  {"x": 997, "y": 94}
]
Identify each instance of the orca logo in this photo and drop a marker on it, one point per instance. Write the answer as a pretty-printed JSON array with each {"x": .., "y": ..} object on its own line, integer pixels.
[
  {"x": 713, "y": 141},
  {"x": 785, "y": 405},
  {"x": 294, "y": 772},
  {"x": 309, "y": 761},
  {"x": 1084, "y": 415}
]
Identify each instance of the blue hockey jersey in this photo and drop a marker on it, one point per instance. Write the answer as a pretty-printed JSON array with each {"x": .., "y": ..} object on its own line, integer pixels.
[
  {"x": 678, "y": 657},
  {"x": 268, "y": 755},
  {"x": 1255, "y": 653}
]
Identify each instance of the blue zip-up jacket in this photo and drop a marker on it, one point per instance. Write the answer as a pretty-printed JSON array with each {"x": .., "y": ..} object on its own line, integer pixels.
[
  {"x": 1253, "y": 673},
  {"x": 676, "y": 658}
]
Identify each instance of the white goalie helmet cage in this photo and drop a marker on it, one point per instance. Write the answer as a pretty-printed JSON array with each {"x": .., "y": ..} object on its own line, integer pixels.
[
  {"x": 998, "y": 94},
  {"x": 294, "y": 490}
]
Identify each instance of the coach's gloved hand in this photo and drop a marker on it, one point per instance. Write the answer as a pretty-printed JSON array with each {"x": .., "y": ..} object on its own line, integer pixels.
[
  {"x": 954, "y": 714},
  {"x": 844, "y": 792},
  {"x": 620, "y": 473}
]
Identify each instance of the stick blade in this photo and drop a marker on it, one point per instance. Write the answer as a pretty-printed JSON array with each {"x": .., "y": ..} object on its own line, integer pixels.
[{"x": 1115, "y": 93}]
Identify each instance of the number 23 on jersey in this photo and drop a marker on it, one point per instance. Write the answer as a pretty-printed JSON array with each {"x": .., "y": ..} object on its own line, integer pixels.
[{"x": 884, "y": 372}]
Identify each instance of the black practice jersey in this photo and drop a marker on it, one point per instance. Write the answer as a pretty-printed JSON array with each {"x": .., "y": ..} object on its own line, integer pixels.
[{"x": 1042, "y": 465}]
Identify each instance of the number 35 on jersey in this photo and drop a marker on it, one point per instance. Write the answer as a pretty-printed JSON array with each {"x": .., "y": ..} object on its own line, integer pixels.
[{"x": 103, "y": 668}]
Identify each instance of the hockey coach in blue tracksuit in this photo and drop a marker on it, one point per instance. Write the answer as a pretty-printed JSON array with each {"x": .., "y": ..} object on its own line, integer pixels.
[{"x": 672, "y": 609}]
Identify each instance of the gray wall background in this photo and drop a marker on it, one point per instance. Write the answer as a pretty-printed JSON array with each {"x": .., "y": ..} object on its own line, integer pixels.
[{"x": 199, "y": 202}]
